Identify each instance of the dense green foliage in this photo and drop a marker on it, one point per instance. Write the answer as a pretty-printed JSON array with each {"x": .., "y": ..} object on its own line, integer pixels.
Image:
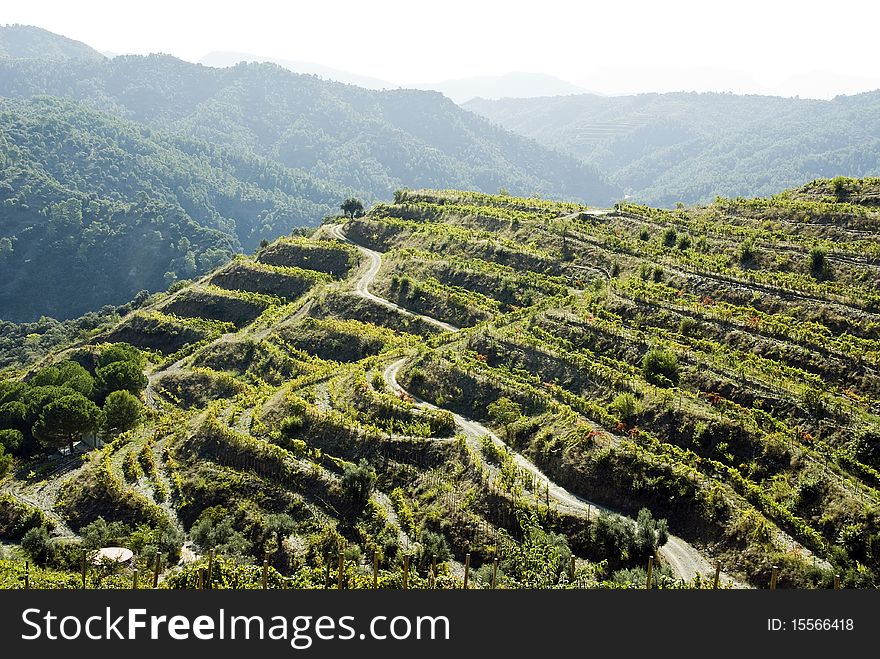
[
  {"x": 167, "y": 167},
  {"x": 666, "y": 148},
  {"x": 372, "y": 142},
  {"x": 146, "y": 207},
  {"x": 634, "y": 358},
  {"x": 62, "y": 402}
]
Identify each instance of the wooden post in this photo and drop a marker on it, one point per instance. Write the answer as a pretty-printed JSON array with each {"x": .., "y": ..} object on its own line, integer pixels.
[
  {"x": 494, "y": 572},
  {"x": 341, "y": 570},
  {"x": 265, "y": 579},
  {"x": 134, "y": 579},
  {"x": 375, "y": 569},
  {"x": 201, "y": 582},
  {"x": 650, "y": 572},
  {"x": 434, "y": 571},
  {"x": 405, "y": 572},
  {"x": 327, "y": 572},
  {"x": 27, "y": 575},
  {"x": 467, "y": 569},
  {"x": 85, "y": 567},
  {"x": 717, "y": 575},
  {"x": 571, "y": 569},
  {"x": 210, "y": 569},
  {"x": 774, "y": 576},
  {"x": 836, "y": 582},
  {"x": 158, "y": 564}
]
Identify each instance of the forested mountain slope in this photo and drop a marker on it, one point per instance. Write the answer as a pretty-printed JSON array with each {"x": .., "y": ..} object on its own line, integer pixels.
[
  {"x": 458, "y": 373},
  {"x": 147, "y": 170},
  {"x": 372, "y": 141},
  {"x": 666, "y": 148},
  {"x": 29, "y": 42},
  {"x": 96, "y": 208}
]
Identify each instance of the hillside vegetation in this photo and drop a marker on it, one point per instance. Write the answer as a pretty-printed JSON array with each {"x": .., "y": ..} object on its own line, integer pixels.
[
  {"x": 29, "y": 42},
  {"x": 192, "y": 164},
  {"x": 516, "y": 376},
  {"x": 668, "y": 148},
  {"x": 96, "y": 209},
  {"x": 370, "y": 141}
]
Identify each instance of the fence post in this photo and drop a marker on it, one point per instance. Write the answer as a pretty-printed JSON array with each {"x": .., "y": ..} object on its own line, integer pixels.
[
  {"x": 341, "y": 570},
  {"x": 650, "y": 572},
  {"x": 494, "y": 572},
  {"x": 836, "y": 582},
  {"x": 434, "y": 571},
  {"x": 27, "y": 575},
  {"x": 265, "y": 578},
  {"x": 774, "y": 576},
  {"x": 210, "y": 568},
  {"x": 571, "y": 569},
  {"x": 405, "y": 572},
  {"x": 156, "y": 567},
  {"x": 134, "y": 579},
  {"x": 85, "y": 567},
  {"x": 467, "y": 569},
  {"x": 201, "y": 582},
  {"x": 375, "y": 569},
  {"x": 327, "y": 571},
  {"x": 717, "y": 575}
]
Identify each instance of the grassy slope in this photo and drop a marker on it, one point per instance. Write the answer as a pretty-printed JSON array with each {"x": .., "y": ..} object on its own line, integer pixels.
[{"x": 763, "y": 453}]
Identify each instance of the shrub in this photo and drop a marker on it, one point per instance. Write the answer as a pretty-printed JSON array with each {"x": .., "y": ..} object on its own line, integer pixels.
[
  {"x": 747, "y": 252},
  {"x": 490, "y": 450},
  {"x": 819, "y": 266},
  {"x": 5, "y": 461},
  {"x": 10, "y": 440},
  {"x": 358, "y": 482},
  {"x": 688, "y": 326},
  {"x": 431, "y": 544},
  {"x": 101, "y": 533},
  {"x": 670, "y": 237},
  {"x": 660, "y": 367},
  {"x": 38, "y": 544},
  {"x": 214, "y": 530},
  {"x": 626, "y": 406}
]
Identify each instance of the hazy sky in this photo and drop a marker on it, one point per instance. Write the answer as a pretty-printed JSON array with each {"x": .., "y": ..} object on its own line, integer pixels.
[{"x": 807, "y": 47}]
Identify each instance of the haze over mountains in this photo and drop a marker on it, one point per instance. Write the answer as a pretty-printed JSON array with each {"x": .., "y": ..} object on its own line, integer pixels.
[
  {"x": 244, "y": 153},
  {"x": 235, "y": 155},
  {"x": 225, "y": 58},
  {"x": 666, "y": 148},
  {"x": 25, "y": 41}
]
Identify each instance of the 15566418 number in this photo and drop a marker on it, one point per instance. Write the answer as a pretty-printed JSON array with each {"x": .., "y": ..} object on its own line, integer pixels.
[{"x": 822, "y": 624}]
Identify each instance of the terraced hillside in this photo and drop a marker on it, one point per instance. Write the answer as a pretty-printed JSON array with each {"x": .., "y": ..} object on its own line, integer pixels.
[{"x": 459, "y": 377}]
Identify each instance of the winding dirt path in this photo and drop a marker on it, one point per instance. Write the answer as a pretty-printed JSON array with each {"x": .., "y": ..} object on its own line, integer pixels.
[
  {"x": 362, "y": 285},
  {"x": 683, "y": 558}
]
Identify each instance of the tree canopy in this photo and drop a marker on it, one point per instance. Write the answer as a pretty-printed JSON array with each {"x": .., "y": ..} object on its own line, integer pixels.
[{"x": 64, "y": 420}]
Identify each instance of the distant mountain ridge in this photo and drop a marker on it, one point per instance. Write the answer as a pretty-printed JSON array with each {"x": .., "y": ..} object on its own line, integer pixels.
[
  {"x": 27, "y": 41},
  {"x": 184, "y": 164},
  {"x": 373, "y": 142},
  {"x": 517, "y": 84},
  {"x": 225, "y": 59},
  {"x": 689, "y": 147}
]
